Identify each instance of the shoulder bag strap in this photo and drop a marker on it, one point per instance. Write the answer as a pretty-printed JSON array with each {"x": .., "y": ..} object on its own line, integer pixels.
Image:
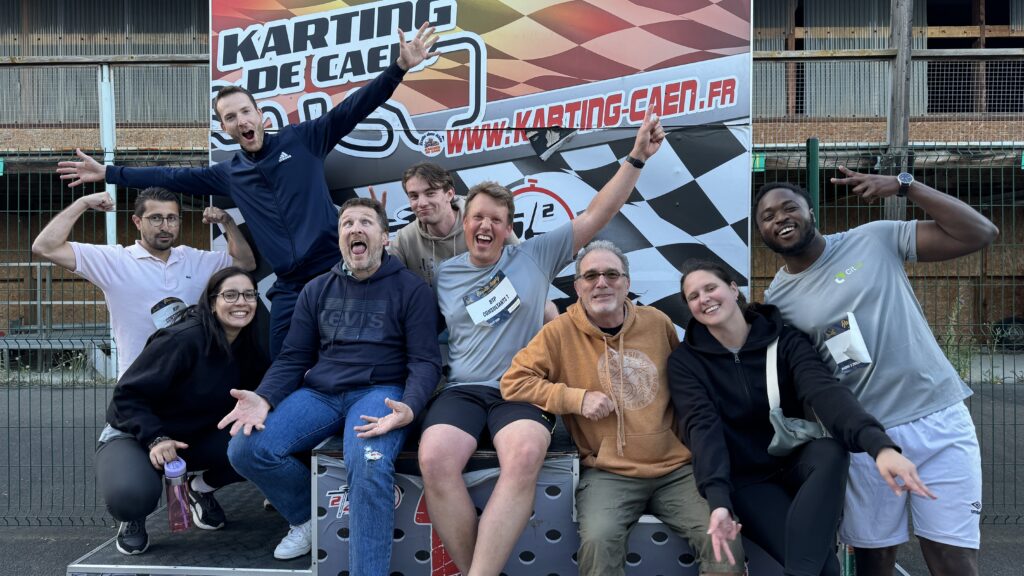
[{"x": 772, "y": 375}]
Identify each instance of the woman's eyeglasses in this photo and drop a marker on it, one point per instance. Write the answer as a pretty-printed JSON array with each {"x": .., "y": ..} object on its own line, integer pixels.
[{"x": 231, "y": 296}]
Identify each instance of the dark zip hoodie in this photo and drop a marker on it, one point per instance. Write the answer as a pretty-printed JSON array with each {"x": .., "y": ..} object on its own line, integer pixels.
[
  {"x": 721, "y": 400},
  {"x": 348, "y": 333},
  {"x": 281, "y": 189}
]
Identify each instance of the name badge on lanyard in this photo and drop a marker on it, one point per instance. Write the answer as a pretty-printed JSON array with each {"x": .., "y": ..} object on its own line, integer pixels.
[
  {"x": 493, "y": 303},
  {"x": 845, "y": 343}
]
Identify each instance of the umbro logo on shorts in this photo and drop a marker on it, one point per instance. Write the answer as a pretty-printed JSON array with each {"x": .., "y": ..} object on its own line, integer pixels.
[
  {"x": 284, "y": 156},
  {"x": 976, "y": 507}
]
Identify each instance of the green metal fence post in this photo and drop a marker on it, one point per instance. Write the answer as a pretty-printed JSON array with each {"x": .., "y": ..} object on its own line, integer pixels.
[{"x": 813, "y": 176}]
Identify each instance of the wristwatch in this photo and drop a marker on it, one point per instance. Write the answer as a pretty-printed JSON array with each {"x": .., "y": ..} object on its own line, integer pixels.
[
  {"x": 905, "y": 179},
  {"x": 638, "y": 164}
]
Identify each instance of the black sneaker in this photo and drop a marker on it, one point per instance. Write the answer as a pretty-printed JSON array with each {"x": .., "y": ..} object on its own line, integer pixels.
[
  {"x": 132, "y": 538},
  {"x": 206, "y": 512}
]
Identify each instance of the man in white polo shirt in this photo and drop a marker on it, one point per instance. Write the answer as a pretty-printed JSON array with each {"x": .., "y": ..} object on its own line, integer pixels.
[{"x": 147, "y": 283}]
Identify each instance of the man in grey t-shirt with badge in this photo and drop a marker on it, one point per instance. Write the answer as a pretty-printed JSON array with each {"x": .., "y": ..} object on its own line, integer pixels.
[
  {"x": 493, "y": 298},
  {"x": 849, "y": 292}
]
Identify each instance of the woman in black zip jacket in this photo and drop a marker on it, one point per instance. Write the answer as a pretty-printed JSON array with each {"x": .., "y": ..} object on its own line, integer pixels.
[{"x": 790, "y": 506}]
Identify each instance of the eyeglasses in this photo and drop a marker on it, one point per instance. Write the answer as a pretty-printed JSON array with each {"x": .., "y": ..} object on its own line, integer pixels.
[
  {"x": 591, "y": 276},
  {"x": 158, "y": 220},
  {"x": 231, "y": 296}
]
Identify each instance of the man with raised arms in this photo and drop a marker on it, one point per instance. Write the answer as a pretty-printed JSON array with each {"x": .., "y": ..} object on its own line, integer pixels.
[{"x": 276, "y": 180}]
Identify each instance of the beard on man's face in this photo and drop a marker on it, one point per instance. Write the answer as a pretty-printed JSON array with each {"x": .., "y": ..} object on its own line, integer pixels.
[{"x": 797, "y": 247}]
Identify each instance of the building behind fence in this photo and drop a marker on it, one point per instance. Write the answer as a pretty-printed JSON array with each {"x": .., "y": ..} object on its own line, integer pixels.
[{"x": 820, "y": 70}]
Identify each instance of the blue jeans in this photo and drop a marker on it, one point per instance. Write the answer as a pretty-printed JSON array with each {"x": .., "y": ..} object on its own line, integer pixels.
[{"x": 300, "y": 422}]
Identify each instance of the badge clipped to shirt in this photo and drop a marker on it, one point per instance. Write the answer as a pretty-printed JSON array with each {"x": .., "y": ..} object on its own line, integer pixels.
[
  {"x": 493, "y": 303},
  {"x": 845, "y": 343},
  {"x": 165, "y": 312}
]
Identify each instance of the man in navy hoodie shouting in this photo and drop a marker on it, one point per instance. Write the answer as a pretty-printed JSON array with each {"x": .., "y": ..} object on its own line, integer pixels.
[
  {"x": 276, "y": 180},
  {"x": 363, "y": 344}
]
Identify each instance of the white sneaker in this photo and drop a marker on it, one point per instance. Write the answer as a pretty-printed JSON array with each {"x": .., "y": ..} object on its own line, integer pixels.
[{"x": 296, "y": 543}]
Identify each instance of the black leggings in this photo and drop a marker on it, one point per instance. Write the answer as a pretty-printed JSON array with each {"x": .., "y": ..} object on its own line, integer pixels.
[
  {"x": 131, "y": 487},
  {"x": 794, "y": 515}
]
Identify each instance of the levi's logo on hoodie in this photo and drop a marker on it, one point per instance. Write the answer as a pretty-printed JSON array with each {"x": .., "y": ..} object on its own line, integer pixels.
[{"x": 348, "y": 319}]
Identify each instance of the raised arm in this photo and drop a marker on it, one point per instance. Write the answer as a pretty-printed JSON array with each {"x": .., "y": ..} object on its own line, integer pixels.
[
  {"x": 323, "y": 133},
  {"x": 411, "y": 53},
  {"x": 52, "y": 242},
  {"x": 955, "y": 230},
  {"x": 613, "y": 194},
  {"x": 238, "y": 246}
]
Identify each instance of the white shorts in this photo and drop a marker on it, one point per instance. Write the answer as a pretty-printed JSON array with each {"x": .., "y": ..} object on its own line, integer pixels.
[{"x": 944, "y": 447}]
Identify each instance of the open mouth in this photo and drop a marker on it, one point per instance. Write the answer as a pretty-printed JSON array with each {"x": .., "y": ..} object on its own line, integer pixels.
[
  {"x": 239, "y": 313},
  {"x": 712, "y": 309},
  {"x": 483, "y": 240},
  {"x": 786, "y": 231},
  {"x": 358, "y": 248},
  {"x": 249, "y": 134}
]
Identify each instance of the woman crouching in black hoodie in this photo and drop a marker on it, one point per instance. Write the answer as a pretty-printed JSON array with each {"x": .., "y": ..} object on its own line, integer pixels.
[
  {"x": 168, "y": 403},
  {"x": 790, "y": 506}
]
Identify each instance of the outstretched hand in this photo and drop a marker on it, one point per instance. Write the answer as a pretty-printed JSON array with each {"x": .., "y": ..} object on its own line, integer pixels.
[
  {"x": 648, "y": 138},
  {"x": 868, "y": 186},
  {"x": 723, "y": 529},
  {"x": 401, "y": 415},
  {"x": 892, "y": 465},
  {"x": 411, "y": 53},
  {"x": 88, "y": 170},
  {"x": 250, "y": 412}
]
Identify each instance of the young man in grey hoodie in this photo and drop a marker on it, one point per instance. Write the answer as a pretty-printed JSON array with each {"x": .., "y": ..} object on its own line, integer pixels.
[{"x": 436, "y": 234}]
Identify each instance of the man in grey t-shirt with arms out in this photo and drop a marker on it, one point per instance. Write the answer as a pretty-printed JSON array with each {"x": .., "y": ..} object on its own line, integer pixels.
[
  {"x": 492, "y": 299},
  {"x": 849, "y": 292}
]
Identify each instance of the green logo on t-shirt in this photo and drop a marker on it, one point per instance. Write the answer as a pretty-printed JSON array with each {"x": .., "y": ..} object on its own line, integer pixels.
[{"x": 842, "y": 276}]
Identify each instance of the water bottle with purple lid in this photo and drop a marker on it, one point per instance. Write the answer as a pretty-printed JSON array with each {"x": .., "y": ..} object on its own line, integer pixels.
[{"x": 178, "y": 514}]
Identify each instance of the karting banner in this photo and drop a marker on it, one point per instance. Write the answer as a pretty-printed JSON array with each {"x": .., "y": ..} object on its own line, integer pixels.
[{"x": 506, "y": 71}]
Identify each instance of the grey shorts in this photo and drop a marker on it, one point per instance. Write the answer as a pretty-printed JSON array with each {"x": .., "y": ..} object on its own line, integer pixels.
[{"x": 944, "y": 447}]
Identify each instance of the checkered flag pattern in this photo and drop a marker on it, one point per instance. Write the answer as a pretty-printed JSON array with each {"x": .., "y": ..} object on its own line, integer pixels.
[
  {"x": 535, "y": 46},
  {"x": 692, "y": 201}
]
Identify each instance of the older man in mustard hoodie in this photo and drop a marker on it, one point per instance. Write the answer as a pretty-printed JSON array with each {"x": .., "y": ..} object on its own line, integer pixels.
[{"x": 601, "y": 365}]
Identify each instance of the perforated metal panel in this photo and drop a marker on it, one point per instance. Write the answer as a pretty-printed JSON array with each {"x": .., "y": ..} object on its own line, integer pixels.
[{"x": 547, "y": 546}]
